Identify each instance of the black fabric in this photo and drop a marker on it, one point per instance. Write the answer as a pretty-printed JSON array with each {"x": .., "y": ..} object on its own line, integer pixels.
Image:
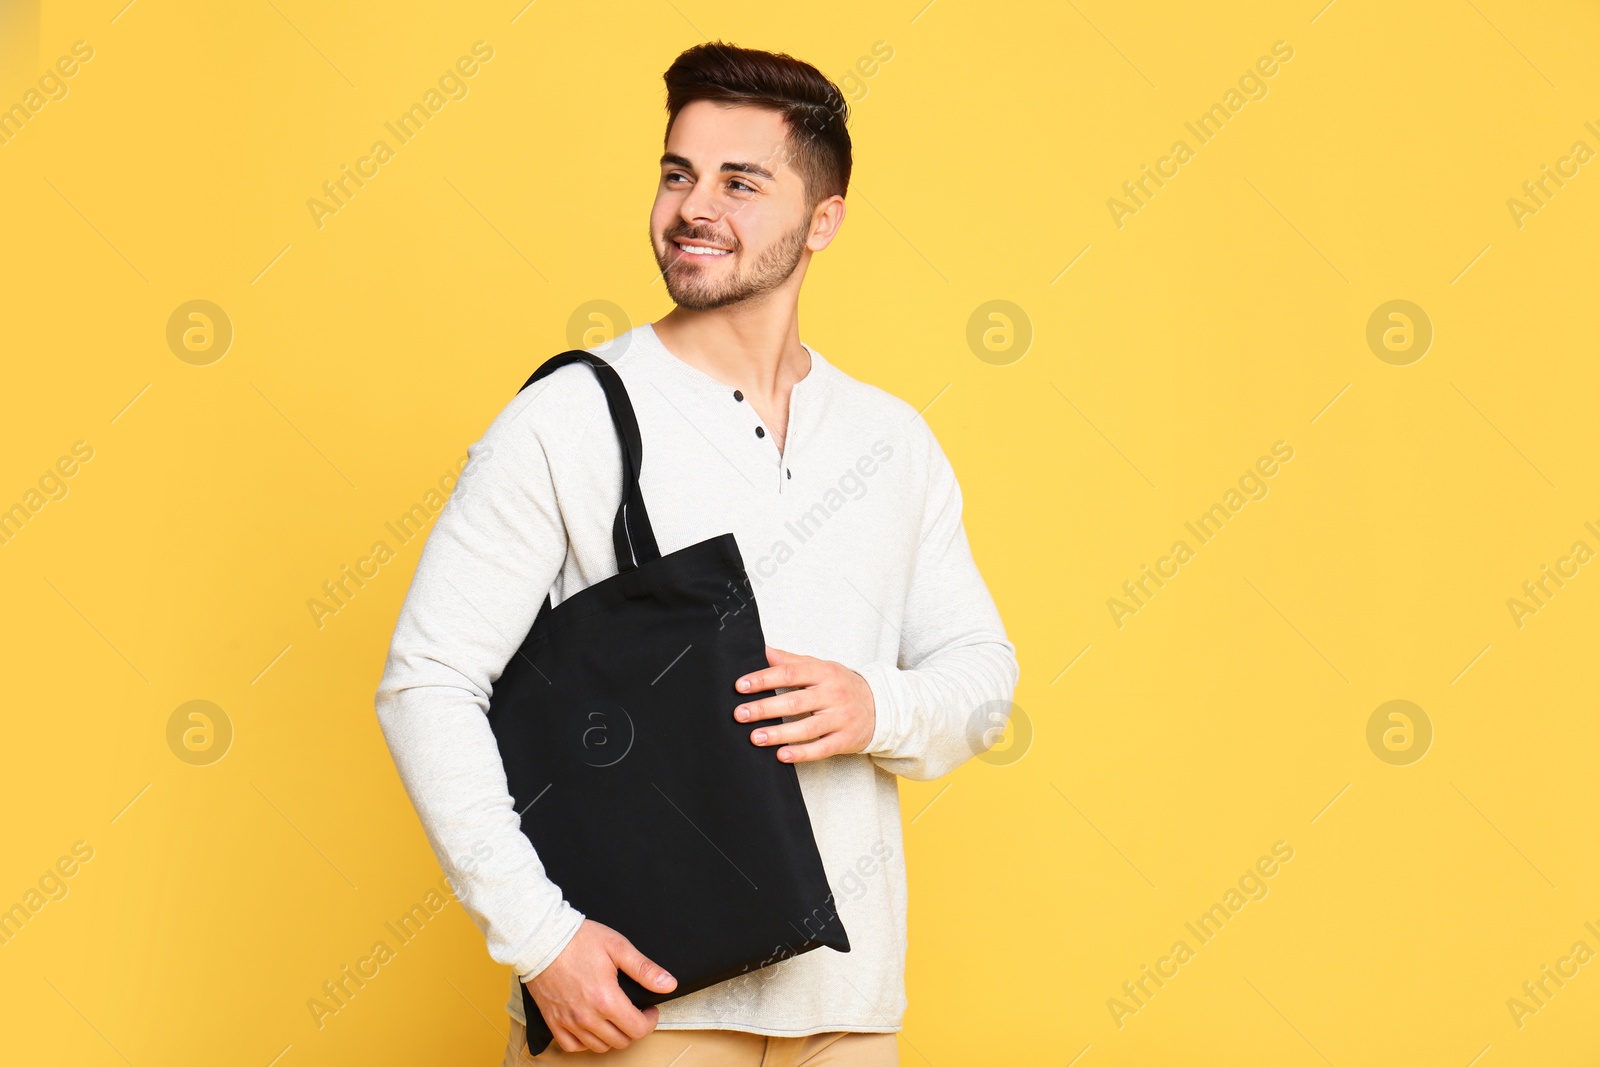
[{"x": 642, "y": 794}]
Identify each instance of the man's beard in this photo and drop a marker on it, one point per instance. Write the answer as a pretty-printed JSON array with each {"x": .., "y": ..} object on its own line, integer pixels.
[{"x": 692, "y": 289}]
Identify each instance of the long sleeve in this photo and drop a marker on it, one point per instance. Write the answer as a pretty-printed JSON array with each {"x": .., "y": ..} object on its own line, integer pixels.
[
  {"x": 952, "y": 685},
  {"x": 493, "y": 553}
]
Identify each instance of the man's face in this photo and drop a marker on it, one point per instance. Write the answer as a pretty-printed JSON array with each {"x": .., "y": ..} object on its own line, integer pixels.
[{"x": 730, "y": 193}]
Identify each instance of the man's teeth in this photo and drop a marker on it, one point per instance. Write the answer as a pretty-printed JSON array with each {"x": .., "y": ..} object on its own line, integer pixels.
[{"x": 697, "y": 250}]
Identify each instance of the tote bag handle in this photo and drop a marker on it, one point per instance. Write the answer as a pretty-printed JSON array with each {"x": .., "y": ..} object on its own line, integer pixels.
[{"x": 631, "y": 533}]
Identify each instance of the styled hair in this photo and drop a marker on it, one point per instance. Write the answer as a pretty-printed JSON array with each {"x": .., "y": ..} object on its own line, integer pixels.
[{"x": 813, "y": 108}]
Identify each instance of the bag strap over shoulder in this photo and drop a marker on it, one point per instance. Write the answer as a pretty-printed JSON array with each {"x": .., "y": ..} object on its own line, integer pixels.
[{"x": 631, "y": 533}]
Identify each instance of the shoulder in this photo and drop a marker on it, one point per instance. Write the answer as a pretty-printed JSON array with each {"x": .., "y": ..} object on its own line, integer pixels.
[
  {"x": 883, "y": 415},
  {"x": 560, "y": 408}
]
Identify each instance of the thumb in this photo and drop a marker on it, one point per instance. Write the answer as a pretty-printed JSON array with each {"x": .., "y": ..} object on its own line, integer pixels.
[
  {"x": 776, "y": 656},
  {"x": 641, "y": 968}
]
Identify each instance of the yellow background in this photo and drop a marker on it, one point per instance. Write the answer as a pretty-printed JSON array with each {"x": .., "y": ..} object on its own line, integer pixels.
[{"x": 1229, "y": 313}]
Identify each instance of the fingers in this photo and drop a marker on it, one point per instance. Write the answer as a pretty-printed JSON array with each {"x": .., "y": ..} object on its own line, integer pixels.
[
  {"x": 586, "y": 1037},
  {"x": 825, "y": 746},
  {"x": 581, "y": 999},
  {"x": 630, "y": 1021},
  {"x": 608, "y": 1022},
  {"x": 575, "y": 1038},
  {"x": 809, "y": 728},
  {"x": 813, "y": 698},
  {"x": 619, "y": 1023},
  {"x": 788, "y": 669},
  {"x": 609, "y": 1035},
  {"x": 641, "y": 969},
  {"x": 564, "y": 1038}
]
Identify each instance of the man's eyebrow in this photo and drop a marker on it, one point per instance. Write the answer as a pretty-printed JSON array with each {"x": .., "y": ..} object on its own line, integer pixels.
[{"x": 670, "y": 159}]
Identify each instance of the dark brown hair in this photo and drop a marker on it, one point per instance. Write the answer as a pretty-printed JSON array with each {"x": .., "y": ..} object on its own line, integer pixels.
[{"x": 812, "y": 107}]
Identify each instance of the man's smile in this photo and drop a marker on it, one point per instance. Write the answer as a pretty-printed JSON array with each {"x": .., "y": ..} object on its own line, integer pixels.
[{"x": 700, "y": 249}]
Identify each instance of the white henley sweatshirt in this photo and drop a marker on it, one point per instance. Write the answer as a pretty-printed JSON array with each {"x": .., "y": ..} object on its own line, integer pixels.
[{"x": 853, "y": 541}]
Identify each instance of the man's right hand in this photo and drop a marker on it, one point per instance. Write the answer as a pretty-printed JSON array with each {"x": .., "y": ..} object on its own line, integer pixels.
[{"x": 580, "y": 999}]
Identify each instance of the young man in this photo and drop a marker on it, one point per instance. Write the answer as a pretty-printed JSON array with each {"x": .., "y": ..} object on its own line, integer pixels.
[{"x": 888, "y": 655}]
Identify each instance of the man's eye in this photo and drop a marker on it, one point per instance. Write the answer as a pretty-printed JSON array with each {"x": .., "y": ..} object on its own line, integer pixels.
[{"x": 744, "y": 187}]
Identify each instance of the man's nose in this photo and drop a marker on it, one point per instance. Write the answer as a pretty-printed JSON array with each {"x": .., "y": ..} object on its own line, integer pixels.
[{"x": 700, "y": 205}]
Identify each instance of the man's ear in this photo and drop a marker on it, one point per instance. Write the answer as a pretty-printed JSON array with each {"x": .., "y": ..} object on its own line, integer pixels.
[{"x": 826, "y": 219}]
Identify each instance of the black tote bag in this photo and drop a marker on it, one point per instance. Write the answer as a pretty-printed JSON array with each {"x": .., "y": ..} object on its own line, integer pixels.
[{"x": 644, "y": 797}]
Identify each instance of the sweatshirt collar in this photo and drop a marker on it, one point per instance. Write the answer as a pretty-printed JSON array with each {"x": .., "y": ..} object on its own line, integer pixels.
[{"x": 820, "y": 370}]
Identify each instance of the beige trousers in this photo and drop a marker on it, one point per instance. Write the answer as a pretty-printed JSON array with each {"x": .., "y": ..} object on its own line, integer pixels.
[{"x": 719, "y": 1048}]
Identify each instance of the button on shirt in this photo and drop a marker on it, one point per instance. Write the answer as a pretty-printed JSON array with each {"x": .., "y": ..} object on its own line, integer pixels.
[{"x": 852, "y": 538}]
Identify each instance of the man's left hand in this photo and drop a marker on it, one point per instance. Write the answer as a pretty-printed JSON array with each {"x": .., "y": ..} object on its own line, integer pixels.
[{"x": 842, "y": 715}]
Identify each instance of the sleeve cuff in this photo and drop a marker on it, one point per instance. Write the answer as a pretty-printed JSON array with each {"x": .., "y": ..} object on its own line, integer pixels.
[
  {"x": 882, "y": 679},
  {"x": 544, "y": 951}
]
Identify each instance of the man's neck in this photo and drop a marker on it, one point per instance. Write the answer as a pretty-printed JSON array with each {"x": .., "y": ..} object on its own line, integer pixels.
[{"x": 760, "y": 354}]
